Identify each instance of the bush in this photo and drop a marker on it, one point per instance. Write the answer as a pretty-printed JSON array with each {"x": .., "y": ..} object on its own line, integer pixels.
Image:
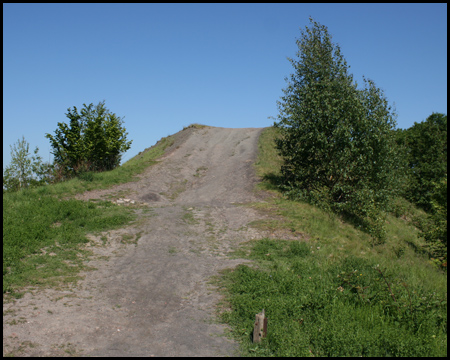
[{"x": 93, "y": 141}]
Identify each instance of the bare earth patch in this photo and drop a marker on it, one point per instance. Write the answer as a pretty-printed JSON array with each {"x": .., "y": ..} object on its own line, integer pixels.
[{"x": 150, "y": 294}]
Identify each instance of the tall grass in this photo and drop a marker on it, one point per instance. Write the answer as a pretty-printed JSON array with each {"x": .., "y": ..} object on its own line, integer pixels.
[{"x": 334, "y": 293}]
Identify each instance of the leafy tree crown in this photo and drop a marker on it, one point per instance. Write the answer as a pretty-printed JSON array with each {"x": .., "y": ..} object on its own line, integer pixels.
[
  {"x": 336, "y": 140},
  {"x": 94, "y": 140}
]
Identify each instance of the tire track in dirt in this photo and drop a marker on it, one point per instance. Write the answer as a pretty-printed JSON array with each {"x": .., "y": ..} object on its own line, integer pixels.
[{"x": 153, "y": 298}]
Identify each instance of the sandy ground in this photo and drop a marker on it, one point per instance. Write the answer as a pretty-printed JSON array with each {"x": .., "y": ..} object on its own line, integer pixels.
[{"x": 154, "y": 297}]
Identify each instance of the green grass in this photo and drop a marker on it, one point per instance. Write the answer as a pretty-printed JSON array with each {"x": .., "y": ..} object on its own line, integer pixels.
[
  {"x": 334, "y": 293},
  {"x": 195, "y": 126},
  {"x": 122, "y": 174},
  {"x": 44, "y": 228},
  {"x": 339, "y": 308},
  {"x": 42, "y": 237}
]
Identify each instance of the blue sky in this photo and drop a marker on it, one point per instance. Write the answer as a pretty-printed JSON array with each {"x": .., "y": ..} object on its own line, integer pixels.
[{"x": 165, "y": 66}]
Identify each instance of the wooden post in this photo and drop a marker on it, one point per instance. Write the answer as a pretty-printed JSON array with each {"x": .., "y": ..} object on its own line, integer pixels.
[{"x": 260, "y": 328}]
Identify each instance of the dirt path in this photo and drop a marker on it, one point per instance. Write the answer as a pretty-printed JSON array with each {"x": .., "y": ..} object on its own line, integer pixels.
[{"x": 152, "y": 298}]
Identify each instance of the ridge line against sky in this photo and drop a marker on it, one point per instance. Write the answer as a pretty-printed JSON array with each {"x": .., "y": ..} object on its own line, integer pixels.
[{"x": 164, "y": 66}]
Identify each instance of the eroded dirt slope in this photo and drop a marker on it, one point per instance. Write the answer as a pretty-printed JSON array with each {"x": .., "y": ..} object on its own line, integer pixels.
[{"x": 153, "y": 298}]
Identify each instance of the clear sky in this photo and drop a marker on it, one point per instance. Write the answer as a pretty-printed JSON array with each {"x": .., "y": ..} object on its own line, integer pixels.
[{"x": 165, "y": 66}]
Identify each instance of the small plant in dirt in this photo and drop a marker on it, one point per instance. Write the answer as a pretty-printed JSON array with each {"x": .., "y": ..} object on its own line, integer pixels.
[
  {"x": 172, "y": 250},
  {"x": 200, "y": 171}
]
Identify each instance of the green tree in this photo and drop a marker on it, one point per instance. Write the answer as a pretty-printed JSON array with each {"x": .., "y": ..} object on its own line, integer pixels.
[
  {"x": 435, "y": 232},
  {"x": 25, "y": 169},
  {"x": 426, "y": 154},
  {"x": 94, "y": 140},
  {"x": 336, "y": 141},
  {"x": 425, "y": 150}
]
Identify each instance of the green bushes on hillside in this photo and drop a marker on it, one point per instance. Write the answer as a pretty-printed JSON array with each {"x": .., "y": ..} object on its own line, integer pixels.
[
  {"x": 327, "y": 291},
  {"x": 425, "y": 150},
  {"x": 93, "y": 141},
  {"x": 347, "y": 307}
]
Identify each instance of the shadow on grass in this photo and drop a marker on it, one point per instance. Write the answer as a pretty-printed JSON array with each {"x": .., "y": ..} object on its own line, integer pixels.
[{"x": 273, "y": 181}]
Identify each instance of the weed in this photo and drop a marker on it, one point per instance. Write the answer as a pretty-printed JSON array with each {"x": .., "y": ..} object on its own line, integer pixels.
[
  {"x": 188, "y": 217},
  {"x": 172, "y": 250},
  {"x": 200, "y": 171},
  {"x": 21, "y": 348},
  {"x": 175, "y": 189},
  {"x": 195, "y": 126},
  {"x": 126, "y": 238}
]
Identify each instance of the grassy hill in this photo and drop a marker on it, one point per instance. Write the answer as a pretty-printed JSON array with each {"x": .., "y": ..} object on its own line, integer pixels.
[
  {"x": 334, "y": 293},
  {"x": 45, "y": 228}
]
